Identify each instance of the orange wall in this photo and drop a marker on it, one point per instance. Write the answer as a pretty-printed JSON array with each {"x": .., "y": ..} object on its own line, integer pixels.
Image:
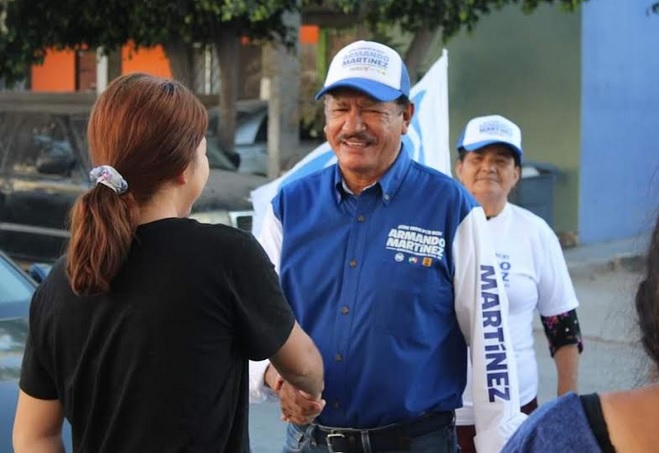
[
  {"x": 57, "y": 72},
  {"x": 309, "y": 34},
  {"x": 150, "y": 60}
]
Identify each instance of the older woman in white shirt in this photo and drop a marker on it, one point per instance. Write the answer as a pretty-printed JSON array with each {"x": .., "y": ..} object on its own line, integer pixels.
[{"x": 530, "y": 259}]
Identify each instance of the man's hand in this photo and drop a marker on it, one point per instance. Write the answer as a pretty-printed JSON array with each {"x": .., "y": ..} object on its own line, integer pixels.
[{"x": 297, "y": 406}]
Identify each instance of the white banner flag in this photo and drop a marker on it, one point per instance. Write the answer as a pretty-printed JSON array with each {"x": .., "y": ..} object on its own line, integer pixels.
[{"x": 427, "y": 137}]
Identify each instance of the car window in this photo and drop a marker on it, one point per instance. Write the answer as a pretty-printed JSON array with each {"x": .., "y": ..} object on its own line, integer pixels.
[
  {"x": 216, "y": 156},
  {"x": 14, "y": 287},
  {"x": 79, "y": 128},
  {"x": 39, "y": 139},
  {"x": 8, "y": 125},
  {"x": 262, "y": 133}
]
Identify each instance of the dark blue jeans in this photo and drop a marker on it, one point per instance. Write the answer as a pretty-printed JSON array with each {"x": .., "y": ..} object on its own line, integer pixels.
[{"x": 299, "y": 439}]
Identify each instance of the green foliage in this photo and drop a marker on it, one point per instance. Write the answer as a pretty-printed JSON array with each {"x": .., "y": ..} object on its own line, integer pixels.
[
  {"x": 413, "y": 15},
  {"x": 16, "y": 50},
  {"x": 35, "y": 25}
]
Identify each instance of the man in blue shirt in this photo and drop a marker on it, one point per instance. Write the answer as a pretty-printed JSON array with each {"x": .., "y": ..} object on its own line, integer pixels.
[{"x": 388, "y": 266}]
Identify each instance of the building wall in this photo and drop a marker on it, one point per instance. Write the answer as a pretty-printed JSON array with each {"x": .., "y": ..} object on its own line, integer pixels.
[
  {"x": 59, "y": 72},
  {"x": 620, "y": 106},
  {"x": 151, "y": 60},
  {"x": 56, "y": 74},
  {"x": 526, "y": 68}
]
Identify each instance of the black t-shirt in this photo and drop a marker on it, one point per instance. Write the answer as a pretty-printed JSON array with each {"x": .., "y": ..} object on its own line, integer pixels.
[{"x": 160, "y": 363}]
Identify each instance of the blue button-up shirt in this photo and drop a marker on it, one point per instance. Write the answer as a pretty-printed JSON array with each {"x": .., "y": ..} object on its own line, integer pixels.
[{"x": 375, "y": 281}]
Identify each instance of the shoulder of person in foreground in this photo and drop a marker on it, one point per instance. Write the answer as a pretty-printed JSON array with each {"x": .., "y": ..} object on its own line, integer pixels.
[
  {"x": 217, "y": 246},
  {"x": 559, "y": 425},
  {"x": 204, "y": 235}
]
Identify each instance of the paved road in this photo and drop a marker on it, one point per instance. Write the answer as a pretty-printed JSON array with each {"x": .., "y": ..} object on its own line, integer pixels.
[{"x": 612, "y": 358}]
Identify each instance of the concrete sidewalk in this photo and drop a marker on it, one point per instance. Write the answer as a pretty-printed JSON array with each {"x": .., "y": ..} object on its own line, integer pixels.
[
  {"x": 606, "y": 255},
  {"x": 605, "y": 278}
]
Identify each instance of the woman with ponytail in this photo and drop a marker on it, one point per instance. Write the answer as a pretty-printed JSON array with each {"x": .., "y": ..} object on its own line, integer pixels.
[{"x": 141, "y": 334}]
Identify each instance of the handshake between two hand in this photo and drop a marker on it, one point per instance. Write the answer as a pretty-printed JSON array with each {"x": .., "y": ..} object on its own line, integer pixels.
[{"x": 297, "y": 406}]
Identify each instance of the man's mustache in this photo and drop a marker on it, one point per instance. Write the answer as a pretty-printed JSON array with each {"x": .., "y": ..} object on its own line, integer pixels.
[{"x": 360, "y": 136}]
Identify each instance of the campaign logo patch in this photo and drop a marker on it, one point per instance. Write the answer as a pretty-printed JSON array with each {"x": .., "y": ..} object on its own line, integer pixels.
[
  {"x": 497, "y": 128},
  {"x": 427, "y": 261},
  {"x": 417, "y": 241},
  {"x": 399, "y": 257},
  {"x": 413, "y": 259},
  {"x": 365, "y": 60}
]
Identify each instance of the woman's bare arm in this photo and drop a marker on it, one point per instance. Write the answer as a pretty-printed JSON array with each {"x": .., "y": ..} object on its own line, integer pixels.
[{"x": 38, "y": 425}]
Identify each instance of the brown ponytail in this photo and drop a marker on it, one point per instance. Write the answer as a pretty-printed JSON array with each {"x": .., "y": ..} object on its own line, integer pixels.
[
  {"x": 102, "y": 227},
  {"x": 148, "y": 129}
]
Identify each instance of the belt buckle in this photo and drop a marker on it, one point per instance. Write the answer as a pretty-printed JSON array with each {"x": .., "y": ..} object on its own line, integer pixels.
[{"x": 331, "y": 437}]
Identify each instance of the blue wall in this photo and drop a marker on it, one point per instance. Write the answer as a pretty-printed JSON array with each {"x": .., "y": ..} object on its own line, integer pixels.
[{"x": 619, "y": 193}]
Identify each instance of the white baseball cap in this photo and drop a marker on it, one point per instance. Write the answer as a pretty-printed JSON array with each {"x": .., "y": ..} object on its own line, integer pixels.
[
  {"x": 487, "y": 130},
  {"x": 370, "y": 67}
]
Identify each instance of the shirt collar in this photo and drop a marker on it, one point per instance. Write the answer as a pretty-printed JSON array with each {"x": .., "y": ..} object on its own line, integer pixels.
[{"x": 389, "y": 183}]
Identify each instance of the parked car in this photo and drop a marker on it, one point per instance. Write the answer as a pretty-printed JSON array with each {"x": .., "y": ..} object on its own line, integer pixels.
[
  {"x": 16, "y": 289},
  {"x": 44, "y": 167},
  {"x": 251, "y": 137},
  {"x": 39, "y": 271}
]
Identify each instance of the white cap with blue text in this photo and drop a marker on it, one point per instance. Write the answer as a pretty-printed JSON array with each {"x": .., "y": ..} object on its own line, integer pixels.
[
  {"x": 371, "y": 68},
  {"x": 487, "y": 130}
]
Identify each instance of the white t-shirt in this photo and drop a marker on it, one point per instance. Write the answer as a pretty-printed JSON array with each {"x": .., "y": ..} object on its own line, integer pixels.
[{"x": 535, "y": 276}]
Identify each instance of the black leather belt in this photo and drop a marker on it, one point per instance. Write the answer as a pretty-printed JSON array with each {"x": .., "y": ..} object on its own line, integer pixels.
[{"x": 398, "y": 436}]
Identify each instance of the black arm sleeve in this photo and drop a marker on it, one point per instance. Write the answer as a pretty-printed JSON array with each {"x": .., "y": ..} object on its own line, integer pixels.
[{"x": 562, "y": 330}]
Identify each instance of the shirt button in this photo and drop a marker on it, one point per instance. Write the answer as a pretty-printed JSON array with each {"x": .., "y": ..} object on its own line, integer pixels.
[
  {"x": 353, "y": 263},
  {"x": 345, "y": 310},
  {"x": 336, "y": 405},
  {"x": 386, "y": 197},
  {"x": 361, "y": 218},
  {"x": 338, "y": 357}
]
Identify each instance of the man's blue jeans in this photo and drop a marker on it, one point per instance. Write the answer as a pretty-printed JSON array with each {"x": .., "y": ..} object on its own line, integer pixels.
[{"x": 299, "y": 439}]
